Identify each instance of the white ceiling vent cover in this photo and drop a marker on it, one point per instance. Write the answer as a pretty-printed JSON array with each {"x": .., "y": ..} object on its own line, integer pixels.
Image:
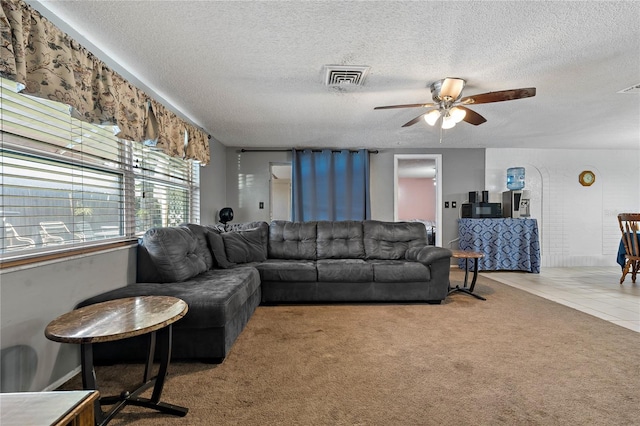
[
  {"x": 632, "y": 89},
  {"x": 345, "y": 75}
]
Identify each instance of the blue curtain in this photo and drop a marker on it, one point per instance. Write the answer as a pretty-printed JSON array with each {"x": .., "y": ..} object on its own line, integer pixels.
[{"x": 330, "y": 185}]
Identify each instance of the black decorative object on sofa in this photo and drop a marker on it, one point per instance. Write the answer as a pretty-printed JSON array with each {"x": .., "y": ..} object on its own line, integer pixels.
[
  {"x": 226, "y": 215},
  {"x": 223, "y": 275}
]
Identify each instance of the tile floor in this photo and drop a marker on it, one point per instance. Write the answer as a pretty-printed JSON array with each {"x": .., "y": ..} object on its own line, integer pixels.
[{"x": 594, "y": 290}]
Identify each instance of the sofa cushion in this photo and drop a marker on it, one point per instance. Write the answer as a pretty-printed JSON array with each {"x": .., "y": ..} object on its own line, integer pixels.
[
  {"x": 218, "y": 251},
  {"x": 340, "y": 240},
  {"x": 202, "y": 248},
  {"x": 214, "y": 297},
  {"x": 173, "y": 252},
  {"x": 392, "y": 271},
  {"x": 292, "y": 240},
  {"x": 344, "y": 270},
  {"x": 390, "y": 240},
  {"x": 245, "y": 246},
  {"x": 288, "y": 270},
  {"x": 146, "y": 271}
]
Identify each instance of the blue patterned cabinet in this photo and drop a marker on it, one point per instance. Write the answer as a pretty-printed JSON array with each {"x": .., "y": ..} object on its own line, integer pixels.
[{"x": 507, "y": 244}]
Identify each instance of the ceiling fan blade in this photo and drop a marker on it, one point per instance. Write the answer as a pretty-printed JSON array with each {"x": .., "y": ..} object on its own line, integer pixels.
[
  {"x": 405, "y": 106},
  {"x": 414, "y": 121},
  {"x": 503, "y": 95},
  {"x": 472, "y": 117}
]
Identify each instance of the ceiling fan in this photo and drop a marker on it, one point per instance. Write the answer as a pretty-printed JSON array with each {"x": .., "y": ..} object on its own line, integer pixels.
[{"x": 450, "y": 108}]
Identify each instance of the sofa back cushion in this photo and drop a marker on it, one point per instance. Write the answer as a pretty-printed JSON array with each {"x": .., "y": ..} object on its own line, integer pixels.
[
  {"x": 217, "y": 250},
  {"x": 146, "y": 270},
  {"x": 292, "y": 240},
  {"x": 246, "y": 246},
  {"x": 340, "y": 240},
  {"x": 173, "y": 252},
  {"x": 203, "y": 251},
  {"x": 390, "y": 240}
]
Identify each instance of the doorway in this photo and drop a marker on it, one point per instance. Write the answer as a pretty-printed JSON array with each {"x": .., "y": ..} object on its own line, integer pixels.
[
  {"x": 418, "y": 190},
  {"x": 280, "y": 191}
]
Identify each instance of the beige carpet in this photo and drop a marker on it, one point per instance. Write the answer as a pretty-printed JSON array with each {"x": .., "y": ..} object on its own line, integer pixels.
[{"x": 515, "y": 359}]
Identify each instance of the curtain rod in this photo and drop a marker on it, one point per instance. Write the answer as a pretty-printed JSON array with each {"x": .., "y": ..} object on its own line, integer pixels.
[{"x": 371, "y": 151}]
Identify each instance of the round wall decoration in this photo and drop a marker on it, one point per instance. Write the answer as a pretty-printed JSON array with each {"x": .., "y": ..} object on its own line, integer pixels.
[{"x": 587, "y": 178}]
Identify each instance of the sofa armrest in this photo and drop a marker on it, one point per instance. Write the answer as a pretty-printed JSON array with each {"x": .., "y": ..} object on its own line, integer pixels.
[{"x": 427, "y": 255}]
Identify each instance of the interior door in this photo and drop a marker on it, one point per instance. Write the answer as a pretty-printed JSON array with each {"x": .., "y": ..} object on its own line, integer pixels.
[{"x": 418, "y": 190}]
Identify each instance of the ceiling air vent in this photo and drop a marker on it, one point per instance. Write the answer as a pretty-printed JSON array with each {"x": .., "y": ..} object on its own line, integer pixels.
[
  {"x": 632, "y": 89},
  {"x": 339, "y": 75}
]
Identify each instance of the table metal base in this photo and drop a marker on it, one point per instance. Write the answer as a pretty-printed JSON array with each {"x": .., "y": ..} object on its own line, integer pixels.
[
  {"x": 464, "y": 288},
  {"x": 132, "y": 398}
]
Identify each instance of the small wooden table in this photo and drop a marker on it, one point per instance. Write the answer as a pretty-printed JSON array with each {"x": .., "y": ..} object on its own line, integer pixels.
[
  {"x": 466, "y": 255},
  {"x": 63, "y": 408},
  {"x": 120, "y": 319}
]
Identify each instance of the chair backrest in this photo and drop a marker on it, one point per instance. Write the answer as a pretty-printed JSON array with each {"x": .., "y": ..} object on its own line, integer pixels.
[
  {"x": 55, "y": 233},
  {"x": 13, "y": 241},
  {"x": 630, "y": 228}
]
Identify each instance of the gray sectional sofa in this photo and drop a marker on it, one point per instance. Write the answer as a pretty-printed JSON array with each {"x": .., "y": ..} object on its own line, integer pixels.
[{"x": 224, "y": 274}]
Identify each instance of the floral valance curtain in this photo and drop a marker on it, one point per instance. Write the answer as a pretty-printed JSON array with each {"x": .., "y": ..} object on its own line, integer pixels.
[{"x": 52, "y": 65}]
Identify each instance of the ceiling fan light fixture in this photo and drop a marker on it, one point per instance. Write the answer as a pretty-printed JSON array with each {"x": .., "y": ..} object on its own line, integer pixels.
[
  {"x": 457, "y": 114},
  {"x": 451, "y": 88},
  {"x": 448, "y": 122},
  {"x": 431, "y": 117}
]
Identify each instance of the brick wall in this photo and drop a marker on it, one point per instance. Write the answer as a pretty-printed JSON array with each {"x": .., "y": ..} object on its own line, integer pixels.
[{"x": 578, "y": 224}]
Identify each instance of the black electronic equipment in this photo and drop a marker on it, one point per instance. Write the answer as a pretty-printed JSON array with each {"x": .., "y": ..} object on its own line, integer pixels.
[{"x": 481, "y": 210}]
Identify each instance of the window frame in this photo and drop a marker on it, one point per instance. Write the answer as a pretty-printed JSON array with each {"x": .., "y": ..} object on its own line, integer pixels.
[{"x": 22, "y": 146}]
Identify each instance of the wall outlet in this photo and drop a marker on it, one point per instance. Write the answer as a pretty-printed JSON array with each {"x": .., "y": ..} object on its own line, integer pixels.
[
  {"x": 453, "y": 204},
  {"x": 446, "y": 204},
  {"x": 261, "y": 205}
]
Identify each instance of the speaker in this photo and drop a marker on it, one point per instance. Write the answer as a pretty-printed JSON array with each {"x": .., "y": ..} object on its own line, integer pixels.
[
  {"x": 485, "y": 196},
  {"x": 473, "y": 197}
]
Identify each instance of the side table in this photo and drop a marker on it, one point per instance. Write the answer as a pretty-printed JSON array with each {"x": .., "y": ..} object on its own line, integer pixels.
[
  {"x": 466, "y": 255},
  {"x": 59, "y": 408},
  {"x": 120, "y": 319}
]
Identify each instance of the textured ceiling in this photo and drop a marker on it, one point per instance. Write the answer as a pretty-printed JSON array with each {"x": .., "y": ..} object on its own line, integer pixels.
[{"x": 250, "y": 73}]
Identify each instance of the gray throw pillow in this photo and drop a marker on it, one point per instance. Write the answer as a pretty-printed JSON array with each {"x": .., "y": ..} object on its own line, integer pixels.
[
  {"x": 172, "y": 251},
  {"x": 244, "y": 246},
  {"x": 218, "y": 251}
]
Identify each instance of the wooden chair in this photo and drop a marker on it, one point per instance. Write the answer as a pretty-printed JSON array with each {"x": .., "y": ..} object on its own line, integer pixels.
[
  {"x": 56, "y": 233},
  {"x": 13, "y": 241},
  {"x": 630, "y": 228}
]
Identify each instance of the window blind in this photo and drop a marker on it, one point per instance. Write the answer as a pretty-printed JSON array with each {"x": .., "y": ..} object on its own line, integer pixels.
[{"x": 68, "y": 183}]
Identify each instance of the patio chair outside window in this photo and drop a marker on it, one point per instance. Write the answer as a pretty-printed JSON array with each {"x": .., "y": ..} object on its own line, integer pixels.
[
  {"x": 13, "y": 241},
  {"x": 56, "y": 233}
]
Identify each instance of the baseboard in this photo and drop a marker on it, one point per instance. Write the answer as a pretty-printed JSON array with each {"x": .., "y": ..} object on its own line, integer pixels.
[{"x": 62, "y": 380}]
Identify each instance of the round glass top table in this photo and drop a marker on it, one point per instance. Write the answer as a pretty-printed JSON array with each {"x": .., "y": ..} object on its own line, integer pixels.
[{"x": 120, "y": 319}]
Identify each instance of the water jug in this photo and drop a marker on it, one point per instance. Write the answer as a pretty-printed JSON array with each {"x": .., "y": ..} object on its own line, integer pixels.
[{"x": 515, "y": 178}]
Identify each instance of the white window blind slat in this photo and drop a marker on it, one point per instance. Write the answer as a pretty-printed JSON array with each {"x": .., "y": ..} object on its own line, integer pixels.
[{"x": 66, "y": 183}]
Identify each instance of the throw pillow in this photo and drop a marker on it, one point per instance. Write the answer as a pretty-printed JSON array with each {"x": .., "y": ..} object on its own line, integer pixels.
[
  {"x": 172, "y": 251},
  {"x": 218, "y": 251},
  {"x": 244, "y": 246}
]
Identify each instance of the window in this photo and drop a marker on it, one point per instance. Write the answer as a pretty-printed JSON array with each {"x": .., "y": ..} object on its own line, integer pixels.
[{"x": 68, "y": 184}]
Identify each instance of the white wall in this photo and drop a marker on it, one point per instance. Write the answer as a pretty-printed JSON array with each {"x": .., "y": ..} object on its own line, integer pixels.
[
  {"x": 578, "y": 224},
  {"x": 34, "y": 295},
  {"x": 248, "y": 180},
  {"x": 213, "y": 184}
]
